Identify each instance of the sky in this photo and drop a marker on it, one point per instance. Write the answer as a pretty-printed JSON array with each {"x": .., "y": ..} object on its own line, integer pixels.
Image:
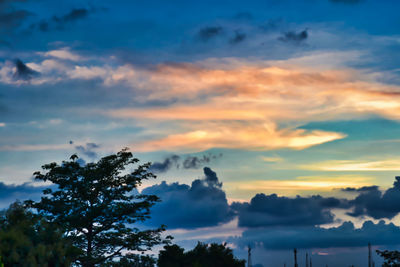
[{"x": 270, "y": 123}]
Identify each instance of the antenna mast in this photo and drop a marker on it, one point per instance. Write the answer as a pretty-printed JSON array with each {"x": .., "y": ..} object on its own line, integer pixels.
[
  {"x": 306, "y": 259},
  {"x": 369, "y": 255},
  {"x": 249, "y": 264}
]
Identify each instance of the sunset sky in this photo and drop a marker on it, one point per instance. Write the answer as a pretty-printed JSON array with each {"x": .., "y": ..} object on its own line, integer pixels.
[{"x": 274, "y": 123}]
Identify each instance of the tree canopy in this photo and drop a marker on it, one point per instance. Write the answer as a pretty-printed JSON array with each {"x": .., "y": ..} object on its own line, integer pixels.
[
  {"x": 26, "y": 239},
  {"x": 203, "y": 255},
  {"x": 97, "y": 205},
  {"x": 391, "y": 258}
]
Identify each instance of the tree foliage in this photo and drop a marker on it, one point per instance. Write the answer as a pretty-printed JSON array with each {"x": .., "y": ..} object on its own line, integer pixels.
[
  {"x": 203, "y": 255},
  {"x": 97, "y": 205},
  {"x": 391, "y": 258},
  {"x": 26, "y": 240},
  {"x": 133, "y": 260}
]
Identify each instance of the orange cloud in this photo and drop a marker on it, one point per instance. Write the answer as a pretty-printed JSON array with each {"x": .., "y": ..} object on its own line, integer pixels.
[
  {"x": 252, "y": 137},
  {"x": 227, "y": 102}
]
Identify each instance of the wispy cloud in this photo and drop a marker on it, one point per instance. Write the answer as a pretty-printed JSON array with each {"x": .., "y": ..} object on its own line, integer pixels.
[
  {"x": 231, "y": 102},
  {"x": 354, "y": 165},
  {"x": 38, "y": 147},
  {"x": 264, "y": 137},
  {"x": 64, "y": 53},
  {"x": 307, "y": 183}
]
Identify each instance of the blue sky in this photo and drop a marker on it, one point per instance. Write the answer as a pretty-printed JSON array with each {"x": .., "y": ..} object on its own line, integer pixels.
[{"x": 273, "y": 97}]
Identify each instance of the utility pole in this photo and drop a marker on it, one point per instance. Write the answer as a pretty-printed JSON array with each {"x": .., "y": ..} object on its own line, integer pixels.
[
  {"x": 295, "y": 258},
  {"x": 306, "y": 259},
  {"x": 310, "y": 262},
  {"x": 369, "y": 255},
  {"x": 249, "y": 264}
]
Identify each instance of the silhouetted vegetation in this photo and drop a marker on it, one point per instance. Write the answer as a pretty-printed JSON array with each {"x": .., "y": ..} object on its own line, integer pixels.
[
  {"x": 391, "y": 258},
  {"x": 87, "y": 219},
  {"x": 96, "y": 205},
  {"x": 203, "y": 255},
  {"x": 27, "y": 239}
]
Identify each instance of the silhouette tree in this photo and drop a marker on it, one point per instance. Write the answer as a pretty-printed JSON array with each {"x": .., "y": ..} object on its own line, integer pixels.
[
  {"x": 97, "y": 204},
  {"x": 391, "y": 258},
  {"x": 26, "y": 239},
  {"x": 203, "y": 255},
  {"x": 171, "y": 256}
]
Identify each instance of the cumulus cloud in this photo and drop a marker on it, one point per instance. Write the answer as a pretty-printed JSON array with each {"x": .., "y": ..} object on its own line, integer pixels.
[
  {"x": 346, "y": 235},
  {"x": 10, "y": 193},
  {"x": 202, "y": 204},
  {"x": 378, "y": 205},
  {"x": 271, "y": 210}
]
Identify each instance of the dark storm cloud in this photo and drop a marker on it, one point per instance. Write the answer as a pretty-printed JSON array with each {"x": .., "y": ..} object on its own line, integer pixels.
[
  {"x": 294, "y": 37},
  {"x": 88, "y": 149},
  {"x": 187, "y": 162},
  {"x": 60, "y": 22},
  {"x": 207, "y": 33},
  {"x": 11, "y": 19},
  {"x": 361, "y": 189},
  {"x": 196, "y": 162},
  {"x": 345, "y": 235},
  {"x": 238, "y": 37},
  {"x": 211, "y": 178},
  {"x": 11, "y": 193},
  {"x": 23, "y": 72},
  {"x": 272, "y": 210},
  {"x": 168, "y": 163},
  {"x": 202, "y": 204},
  {"x": 74, "y": 14},
  {"x": 376, "y": 204}
]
